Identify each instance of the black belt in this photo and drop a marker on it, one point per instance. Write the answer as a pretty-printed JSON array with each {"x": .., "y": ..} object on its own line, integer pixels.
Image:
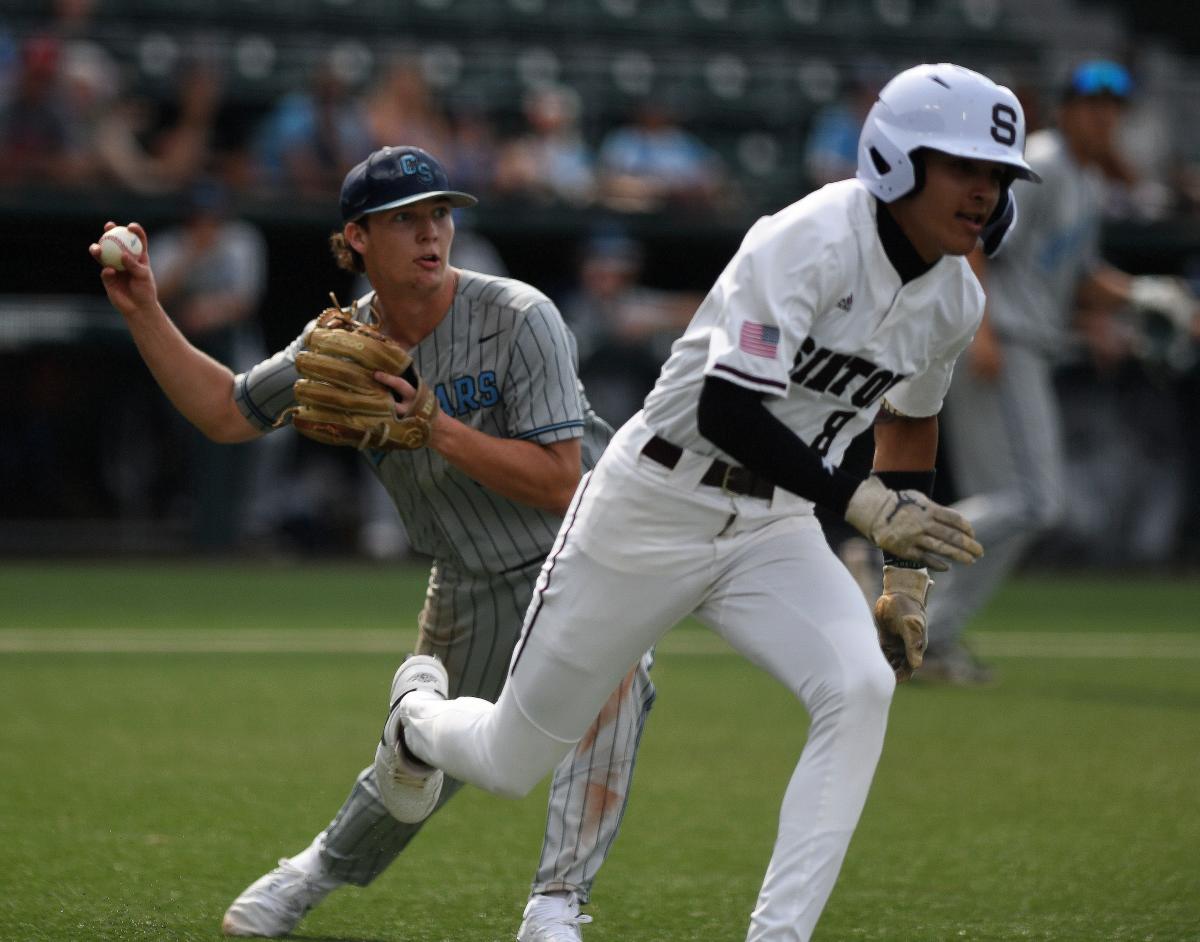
[{"x": 728, "y": 477}]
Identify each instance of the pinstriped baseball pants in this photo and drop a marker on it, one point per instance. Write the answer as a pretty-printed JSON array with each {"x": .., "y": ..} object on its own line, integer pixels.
[{"x": 471, "y": 622}]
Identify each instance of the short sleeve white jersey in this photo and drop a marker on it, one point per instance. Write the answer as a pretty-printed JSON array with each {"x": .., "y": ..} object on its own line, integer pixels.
[{"x": 812, "y": 312}]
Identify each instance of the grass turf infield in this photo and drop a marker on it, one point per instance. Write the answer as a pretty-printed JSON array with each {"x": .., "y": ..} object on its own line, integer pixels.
[{"x": 170, "y": 730}]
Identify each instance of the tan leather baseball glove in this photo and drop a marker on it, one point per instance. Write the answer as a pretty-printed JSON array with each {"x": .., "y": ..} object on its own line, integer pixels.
[{"x": 339, "y": 401}]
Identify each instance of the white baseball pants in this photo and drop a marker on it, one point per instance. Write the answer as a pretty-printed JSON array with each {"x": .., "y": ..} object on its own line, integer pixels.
[{"x": 641, "y": 548}]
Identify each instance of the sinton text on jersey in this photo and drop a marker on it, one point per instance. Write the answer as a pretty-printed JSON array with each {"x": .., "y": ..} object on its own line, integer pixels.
[{"x": 826, "y": 371}]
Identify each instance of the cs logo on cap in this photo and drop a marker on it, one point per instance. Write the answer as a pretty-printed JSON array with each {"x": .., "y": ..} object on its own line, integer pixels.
[{"x": 410, "y": 165}]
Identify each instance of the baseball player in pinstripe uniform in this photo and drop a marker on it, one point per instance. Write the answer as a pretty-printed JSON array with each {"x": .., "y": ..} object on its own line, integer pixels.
[
  {"x": 1004, "y": 431},
  {"x": 703, "y": 502},
  {"x": 485, "y": 500}
]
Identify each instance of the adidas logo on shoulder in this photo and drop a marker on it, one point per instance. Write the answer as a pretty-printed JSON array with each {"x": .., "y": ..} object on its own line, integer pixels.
[{"x": 846, "y": 303}]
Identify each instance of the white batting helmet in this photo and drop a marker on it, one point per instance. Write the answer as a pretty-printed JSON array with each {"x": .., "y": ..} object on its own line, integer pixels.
[{"x": 946, "y": 108}]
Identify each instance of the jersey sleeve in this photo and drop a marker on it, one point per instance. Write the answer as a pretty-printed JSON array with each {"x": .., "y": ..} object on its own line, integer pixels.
[
  {"x": 763, "y": 307},
  {"x": 922, "y": 395},
  {"x": 265, "y": 390},
  {"x": 541, "y": 389}
]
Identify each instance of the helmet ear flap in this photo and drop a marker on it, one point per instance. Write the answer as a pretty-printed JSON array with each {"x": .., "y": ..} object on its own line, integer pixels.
[{"x": 1002, "y": 221}]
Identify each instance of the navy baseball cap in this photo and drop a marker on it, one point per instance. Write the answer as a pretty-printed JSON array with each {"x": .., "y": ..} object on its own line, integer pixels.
[
  {"x": 396, "y": 176},
  {"x": 1099, "y": 77}
]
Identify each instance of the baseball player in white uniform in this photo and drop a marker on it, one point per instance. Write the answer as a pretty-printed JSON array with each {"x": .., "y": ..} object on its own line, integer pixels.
[
  {"x": 703, "y": 502},
  {"x": 484, "y": 500}
]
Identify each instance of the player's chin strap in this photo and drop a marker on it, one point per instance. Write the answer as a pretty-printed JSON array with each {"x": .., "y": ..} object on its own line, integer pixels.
[{"x": 1002, "y": 221}]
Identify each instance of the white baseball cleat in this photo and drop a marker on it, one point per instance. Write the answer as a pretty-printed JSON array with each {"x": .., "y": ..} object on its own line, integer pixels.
[
  {"x": 552, "y": 918},
  {"x": 274, "y": 904},
  {"x": 409, "y": 788}
]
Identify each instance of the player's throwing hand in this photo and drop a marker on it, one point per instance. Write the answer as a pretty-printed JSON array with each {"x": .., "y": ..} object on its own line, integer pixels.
[
  {"x": 910, "y": 525},
  {"x": 132, "y": 287}
]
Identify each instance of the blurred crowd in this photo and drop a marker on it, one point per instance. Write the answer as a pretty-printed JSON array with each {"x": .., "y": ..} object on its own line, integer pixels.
[
  {"x": 73, "y": 115},
  {"x": 70, "y": 118}
]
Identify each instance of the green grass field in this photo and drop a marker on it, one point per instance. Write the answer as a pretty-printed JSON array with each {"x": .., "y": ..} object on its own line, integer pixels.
[{"x": 169, "y": 731}]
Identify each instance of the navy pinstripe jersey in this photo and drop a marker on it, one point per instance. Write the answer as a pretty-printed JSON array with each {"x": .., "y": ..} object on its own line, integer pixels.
[{"x": 501, "y": 361}]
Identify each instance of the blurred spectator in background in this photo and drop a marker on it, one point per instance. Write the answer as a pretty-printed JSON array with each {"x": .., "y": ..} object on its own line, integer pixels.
[
  {"x": 831, "y": 147},
  {"x": 400, "y": 106},
  {"x": 1186, "y": 181},
  {"x": 474, "y": 250},
  {"x": 212, "y": 273},
  {"x": 1149, "y": 140},
  {"x": 652, "y": 163},
  {"x": 135, "y": 151},
  {"x": 624, "y": 329},
  {"x": 549, "y": 161},
  {"x": 1047, "y": 290},
  {"x": 73, "y": 18},
  {"x": 471, "y": 157},
  {"x": 42, "y": 139},
  {"x": 311, "y": 138},
  {"x": 10, "y": 60}
]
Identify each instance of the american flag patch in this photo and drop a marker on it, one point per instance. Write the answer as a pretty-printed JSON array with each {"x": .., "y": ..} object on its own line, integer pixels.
[{"x": 759, "y": 340}]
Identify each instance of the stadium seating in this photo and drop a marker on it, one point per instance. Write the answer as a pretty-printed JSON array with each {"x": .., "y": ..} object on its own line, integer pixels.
[{"x": 745, "y": 75}]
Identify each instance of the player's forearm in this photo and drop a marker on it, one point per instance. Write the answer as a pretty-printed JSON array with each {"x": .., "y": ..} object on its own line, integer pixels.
[
  {"x": 903, "y": 443},
  {"x": 1105, "y": 287},
  {"x": 735, "y": 420},
  {"x": 541, "y": 476},
  {"x": 196, "y": 384}
]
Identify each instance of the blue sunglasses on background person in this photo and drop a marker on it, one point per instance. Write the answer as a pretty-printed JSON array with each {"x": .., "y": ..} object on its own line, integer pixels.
[{"x": 1100, "y": 77}]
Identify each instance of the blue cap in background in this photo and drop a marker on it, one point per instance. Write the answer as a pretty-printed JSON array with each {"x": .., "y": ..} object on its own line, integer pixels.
[{"x": 1099, "y": 77}]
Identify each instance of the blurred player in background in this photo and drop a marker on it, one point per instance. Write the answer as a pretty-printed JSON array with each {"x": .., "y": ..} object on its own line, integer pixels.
[
  {"x": 211, "y": 272},
  {"x": 624, "y": 327},
  {"x": 1047, "y": 289},
  {"x": 484, "y": 500},
  {"x": 854, "y": 297}
]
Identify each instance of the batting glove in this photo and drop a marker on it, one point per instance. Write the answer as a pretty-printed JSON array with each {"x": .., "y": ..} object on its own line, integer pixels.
[
  {"x": 900, "y": 618},
  {"x": 910, "y": 525},
  {"x": 1166, "y": 296}
]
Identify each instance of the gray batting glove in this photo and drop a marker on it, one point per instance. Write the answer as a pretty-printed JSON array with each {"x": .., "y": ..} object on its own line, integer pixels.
[{"x": 909, "y": 525}]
